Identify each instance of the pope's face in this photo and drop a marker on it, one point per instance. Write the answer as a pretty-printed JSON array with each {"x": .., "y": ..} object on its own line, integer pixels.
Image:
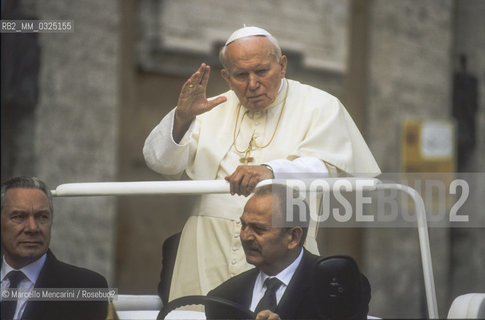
[
  {"x": 26, "y": 226},
  {"x": 265, "y": 246},
  {"x": 253, "y": 72}
]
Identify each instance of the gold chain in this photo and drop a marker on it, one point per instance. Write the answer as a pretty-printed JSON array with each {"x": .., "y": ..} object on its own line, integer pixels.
[{"x": 252, "y": 142}]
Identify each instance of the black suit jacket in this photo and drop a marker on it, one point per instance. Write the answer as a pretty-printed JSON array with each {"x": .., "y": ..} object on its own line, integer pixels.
[
  {"x": 169, "y": 254},
  {"x": 57, "y": 274},
  {"x": 298, "y": 302}
]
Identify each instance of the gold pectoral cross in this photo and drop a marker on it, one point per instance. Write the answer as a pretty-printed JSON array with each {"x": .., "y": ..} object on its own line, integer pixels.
[{"x": 247, "y": 158}]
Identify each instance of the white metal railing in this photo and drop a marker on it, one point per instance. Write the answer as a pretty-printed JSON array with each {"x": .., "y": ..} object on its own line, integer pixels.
[
  {"x": 140, "y": 188},
  {"x": 222, "y": 186}
]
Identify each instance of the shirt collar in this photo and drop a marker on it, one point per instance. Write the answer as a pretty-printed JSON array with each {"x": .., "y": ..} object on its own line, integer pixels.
[
  {"x": 286, "y": 274},
  {"x": 31, "y": 270}
]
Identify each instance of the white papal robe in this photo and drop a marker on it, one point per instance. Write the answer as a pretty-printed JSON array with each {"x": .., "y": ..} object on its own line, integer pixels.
[{"x": 314, "y": 127}]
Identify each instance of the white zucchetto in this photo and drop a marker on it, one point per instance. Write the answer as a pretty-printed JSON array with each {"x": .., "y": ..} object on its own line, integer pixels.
[{"x": 247, "y": 32}]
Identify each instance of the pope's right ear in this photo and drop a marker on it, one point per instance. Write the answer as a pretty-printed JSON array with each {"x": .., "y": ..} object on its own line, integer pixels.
[{"x": 225, "y": 75}]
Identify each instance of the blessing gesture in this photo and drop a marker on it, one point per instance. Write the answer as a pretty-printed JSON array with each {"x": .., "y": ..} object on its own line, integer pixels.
[{"x": 193, "y": 101}]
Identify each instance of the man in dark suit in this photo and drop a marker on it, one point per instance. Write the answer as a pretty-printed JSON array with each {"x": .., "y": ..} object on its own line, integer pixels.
[
  {"x": 26, "y": 216},
  {"x": 288, "y": 281}
]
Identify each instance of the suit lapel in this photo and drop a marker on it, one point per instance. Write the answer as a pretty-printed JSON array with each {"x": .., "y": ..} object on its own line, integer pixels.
[
  {"x": 298, "y": 288},
  {"x": 239, "y": 290},
  {"x": 48, "y": 271},
  {"x": 244, "y": 294},
  {"x": 34, "y": 308}
]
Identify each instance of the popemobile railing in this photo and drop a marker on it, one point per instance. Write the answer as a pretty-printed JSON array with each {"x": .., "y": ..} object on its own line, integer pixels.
[{"x": 222, "y": 186}]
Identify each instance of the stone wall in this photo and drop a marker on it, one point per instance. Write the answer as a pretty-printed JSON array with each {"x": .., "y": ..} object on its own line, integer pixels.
[
  {"x": 409, "y": 76},
  {"x": 195, "y": 25},
  {"x": 75, "y": 125}
]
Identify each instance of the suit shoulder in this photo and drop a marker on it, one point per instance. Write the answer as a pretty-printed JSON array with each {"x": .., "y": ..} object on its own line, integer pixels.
[
  {"x": 68, "y": 275},
  {"x": 308, "y": 256},
  {"x": 234, "y": 284},
  {"x": 84, "y": 273}
]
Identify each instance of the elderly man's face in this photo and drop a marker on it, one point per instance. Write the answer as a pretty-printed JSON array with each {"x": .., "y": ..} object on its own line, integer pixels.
[
  {"x": 265, "y": 246},
  {"x": 26, "y": 226},
  {"x": 253, "y": 71}
]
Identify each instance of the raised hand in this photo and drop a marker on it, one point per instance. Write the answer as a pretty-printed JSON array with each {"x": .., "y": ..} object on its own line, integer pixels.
[{"x": 193, "y": 101}]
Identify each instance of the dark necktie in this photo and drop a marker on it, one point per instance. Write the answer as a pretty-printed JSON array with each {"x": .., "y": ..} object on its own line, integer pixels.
[
  {"x": 8, "y": 306},
  {"x": 268, "y": 301}
]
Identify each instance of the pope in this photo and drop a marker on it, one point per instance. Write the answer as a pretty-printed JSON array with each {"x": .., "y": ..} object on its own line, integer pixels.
[{"x": 266, "y": 126}]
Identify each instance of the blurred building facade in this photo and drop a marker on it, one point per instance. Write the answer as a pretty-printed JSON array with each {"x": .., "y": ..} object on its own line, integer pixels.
[{"x": 76, "y": 107}]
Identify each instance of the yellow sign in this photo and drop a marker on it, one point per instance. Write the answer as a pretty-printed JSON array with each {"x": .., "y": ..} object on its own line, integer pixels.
[{"x": 427, "y": 146}]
